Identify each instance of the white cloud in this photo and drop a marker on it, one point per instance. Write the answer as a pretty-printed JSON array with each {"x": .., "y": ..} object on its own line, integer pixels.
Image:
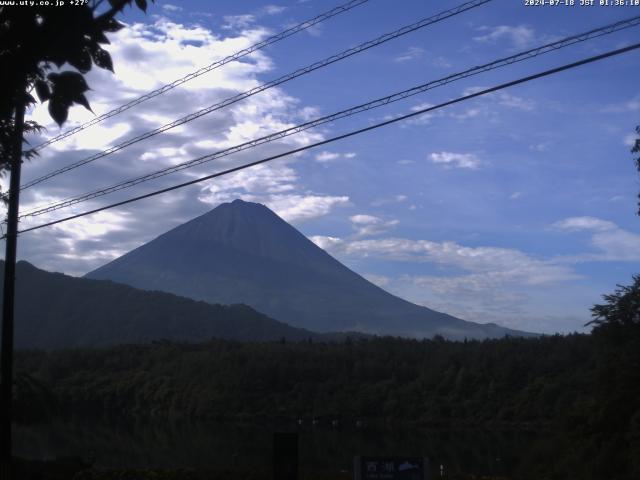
[
  {"x": 483, "y": 300},
  {"x": 368, "y": 225},
  {"x": 85, "y": 228},
  {"x": 325, "y": 242},
  {"x": 630, "y": 140},
  {"x": 501, "y": 263},
  {"x": 540, "y": 147},
  {"x": 412, "y": 53},
  {"x": 326, "y": 157},
  {"x": 323, "y": 157},
  {"x": 274, "y": 9},
  {"x": 423, "y": 119},
  {"x": 519, "y": 36},
  {"x": 389, "y": 200},
  {"x": 503, "y": 99},
  {"x": 515, "y": 195},
  {"x": 275, "y": 185},
  {"x": 476, "y": 297},
  {"x": 259, "y": 180},
  {"x": 618, "y": 245},
  {"x": 171, "y": 8},
  {"x": 441, "y": 62},
  {"x": 611, "y": 242},
  {"x": 379, "y": 280},
  {"x": 469, "y": 113},
  {"x": 296, "y": 208},
  {"x": 632, "y": 105},
  {"x": 238, "y": 22},
  {"x": 145, "y": 57},
  {"x": 421, "y": 106},
  {"x": 480, "y": 284},
  {"x": 364, "y": 219},
  {"x": 584, "y": 223},
  {"x": 316, "y": 30},
  {"x": 513, "y": 101},
  {"x": 456, "y": 160},
  {"x": 308, "y": 113}
]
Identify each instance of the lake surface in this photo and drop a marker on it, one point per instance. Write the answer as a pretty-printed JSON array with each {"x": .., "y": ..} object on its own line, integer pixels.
[{"x": 167, "y": 444}]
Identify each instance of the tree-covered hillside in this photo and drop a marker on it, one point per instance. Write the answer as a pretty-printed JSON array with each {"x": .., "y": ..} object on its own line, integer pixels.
[
  {"x": 511, "y": 381},
  {"x": 583, "y": 391},
  {"x": 58, "y": 311},
  {"x": 579, "y": 389}
]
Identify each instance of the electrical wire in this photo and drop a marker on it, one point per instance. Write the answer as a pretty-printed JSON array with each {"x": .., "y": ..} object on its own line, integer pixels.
[
  {"x": 265, "y": 86},
  {"x": 236, "y": 56},
  {"x": 528, "y": 54},
  {"x": 346, "y": 135}
]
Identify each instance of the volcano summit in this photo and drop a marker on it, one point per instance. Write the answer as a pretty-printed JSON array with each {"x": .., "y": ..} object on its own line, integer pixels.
[{"x": 242, "y": 252}]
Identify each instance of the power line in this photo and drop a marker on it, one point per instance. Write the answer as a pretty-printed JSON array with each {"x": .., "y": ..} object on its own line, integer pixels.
[
  {"x": 236, "y": 56},
  {"x": 352, "y": 111},
  {"x": 341, "y": 114},
  {"x": 346, "y": 135},
  {"x": 265, "y": 86}
]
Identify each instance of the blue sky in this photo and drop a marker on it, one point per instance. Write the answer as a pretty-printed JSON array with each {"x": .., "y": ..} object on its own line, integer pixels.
[{"x": 516, "y": 208}]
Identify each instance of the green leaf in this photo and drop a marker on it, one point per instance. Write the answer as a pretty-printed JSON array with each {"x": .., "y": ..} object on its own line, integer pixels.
[
  {"x": 100, "y": 37},
  {"x": 113, "y": 25},
  {"x": 119, "y": 4},
  {"x": 102, "y": 58},
  {"x": 68, "y": 83},
  {"x": 81, "y": 60},
  {"x": 58, "y": 110},
  {"x": 67, "y": 88},
  {"x": 42, "y": 90},
  {"x": 142, "y": 5},
  {"x": 82, "y": 100}
]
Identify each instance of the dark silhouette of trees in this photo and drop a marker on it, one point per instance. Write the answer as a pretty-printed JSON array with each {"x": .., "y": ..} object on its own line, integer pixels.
[
  {"x": 36, "y": 42},
  {"x": 622, "y": 308},
  {"x": 37, "y": 45},
  {"x": 614, "y": 423},
  {"x": 636, "y": 149},
  {"x": 580, "y": 390}
]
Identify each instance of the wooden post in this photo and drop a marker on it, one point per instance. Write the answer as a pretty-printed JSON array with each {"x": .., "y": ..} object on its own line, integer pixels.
[
  {"x": 285, "y": 456},
  {"x": 6, "y": 357}
]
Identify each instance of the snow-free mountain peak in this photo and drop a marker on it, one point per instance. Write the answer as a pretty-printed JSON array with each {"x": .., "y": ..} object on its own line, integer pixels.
[{"x": 242, "y": 252}]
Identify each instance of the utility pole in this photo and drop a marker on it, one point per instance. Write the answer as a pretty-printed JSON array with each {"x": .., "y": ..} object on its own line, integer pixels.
[{"x": 6, "y": 358}]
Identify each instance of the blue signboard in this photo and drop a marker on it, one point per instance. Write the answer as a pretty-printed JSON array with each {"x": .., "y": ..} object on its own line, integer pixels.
[{"x": 390, "y": 468}]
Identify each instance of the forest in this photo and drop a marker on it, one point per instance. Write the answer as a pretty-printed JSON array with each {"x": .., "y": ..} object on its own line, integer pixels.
[{"x": 581, "y": 389}]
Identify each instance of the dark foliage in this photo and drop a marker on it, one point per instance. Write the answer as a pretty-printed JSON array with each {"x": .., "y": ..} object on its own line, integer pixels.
[
  {"x": 584, "y": 390},
  {"x": 622, "y": 308},
  {"x": 636, "y": 149},
  {"x": 615, "y": 424},
  {"x": 57, "y": 311},
  {"x": 556, "y": 384},
  {"x": 510, "y": 382},
  {"x": 37, "y": 45}
]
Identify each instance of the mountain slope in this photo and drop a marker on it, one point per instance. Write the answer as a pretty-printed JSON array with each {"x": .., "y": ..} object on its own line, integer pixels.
[
  {"x": 57, "y": 311},
  {"x": 243, "y": 252}
]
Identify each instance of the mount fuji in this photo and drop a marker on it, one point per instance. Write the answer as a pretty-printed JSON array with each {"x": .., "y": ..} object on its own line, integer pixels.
[{"x": 242, "y": 252}]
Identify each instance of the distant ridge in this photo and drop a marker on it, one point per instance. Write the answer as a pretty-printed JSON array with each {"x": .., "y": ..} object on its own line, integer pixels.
[
  {"x": 242, "y": 252},
  {"x": 58, "y": 311}
]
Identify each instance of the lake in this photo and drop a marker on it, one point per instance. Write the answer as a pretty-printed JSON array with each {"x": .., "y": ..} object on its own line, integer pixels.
[{"x": 169, "y": 444}]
